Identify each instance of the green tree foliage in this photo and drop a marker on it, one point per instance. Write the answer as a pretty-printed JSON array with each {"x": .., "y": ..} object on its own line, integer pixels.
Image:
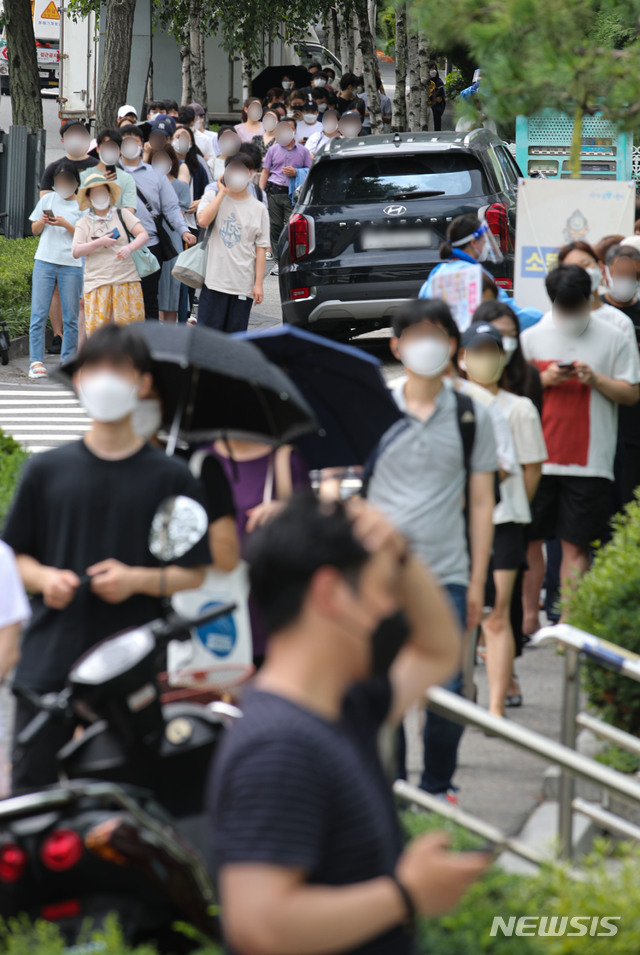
[{"x": 578, "y": 56}]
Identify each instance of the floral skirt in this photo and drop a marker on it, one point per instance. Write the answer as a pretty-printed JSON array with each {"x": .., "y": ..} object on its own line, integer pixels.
[{"x": 113, "y": 304}]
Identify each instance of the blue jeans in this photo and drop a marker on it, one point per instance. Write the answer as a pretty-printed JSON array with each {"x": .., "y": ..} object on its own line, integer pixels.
[
  {"x": 441, "y": 736},
  {"x": 69, "y": 280}
]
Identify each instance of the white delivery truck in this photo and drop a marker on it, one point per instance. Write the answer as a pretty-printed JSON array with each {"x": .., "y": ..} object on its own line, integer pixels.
[{"x": 46, "y": 27}]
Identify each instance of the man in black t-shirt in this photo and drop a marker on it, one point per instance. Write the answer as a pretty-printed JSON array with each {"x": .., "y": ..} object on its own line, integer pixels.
[
  {"x": 307, "y": 848},
  {"x": 76, "y": 141},
  {"x": 79, "y": 525}
]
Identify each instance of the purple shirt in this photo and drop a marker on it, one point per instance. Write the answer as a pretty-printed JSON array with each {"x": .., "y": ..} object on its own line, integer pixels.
[{"x": 278, "y": 156}]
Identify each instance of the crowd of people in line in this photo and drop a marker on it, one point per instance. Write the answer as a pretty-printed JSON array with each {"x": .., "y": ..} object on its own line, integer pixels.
[{"x": 159, "y": 183}]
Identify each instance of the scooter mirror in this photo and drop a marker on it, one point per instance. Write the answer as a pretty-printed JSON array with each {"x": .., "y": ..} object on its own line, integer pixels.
[{"x": 177, "y": 526}]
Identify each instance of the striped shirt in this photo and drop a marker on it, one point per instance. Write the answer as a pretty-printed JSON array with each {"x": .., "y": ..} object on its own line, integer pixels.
[{"x": 292, "y": 789}]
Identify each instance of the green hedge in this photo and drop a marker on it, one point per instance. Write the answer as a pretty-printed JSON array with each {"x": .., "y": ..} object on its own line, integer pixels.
[
  {"x": 606, "y": 603},
  {"x": 12, "y": 459},
  {"x": 16, "y": 268}
]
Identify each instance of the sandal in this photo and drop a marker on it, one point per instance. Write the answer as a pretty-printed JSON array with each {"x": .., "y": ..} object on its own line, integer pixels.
[{"x": 37, "y": 370}]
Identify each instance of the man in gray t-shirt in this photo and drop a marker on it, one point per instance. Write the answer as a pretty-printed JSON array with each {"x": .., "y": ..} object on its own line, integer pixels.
[{"x": 419, "y": 479}]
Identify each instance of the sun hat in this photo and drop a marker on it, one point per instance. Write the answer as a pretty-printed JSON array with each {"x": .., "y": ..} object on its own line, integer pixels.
[{"x": 93, "y": 180}]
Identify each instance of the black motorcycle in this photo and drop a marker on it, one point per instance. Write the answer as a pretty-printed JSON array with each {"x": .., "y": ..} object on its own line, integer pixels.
[{"x": 125, "y": 829}]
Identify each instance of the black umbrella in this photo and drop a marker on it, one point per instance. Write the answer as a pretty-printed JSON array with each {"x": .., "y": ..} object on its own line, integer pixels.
[
  {"x": 212, "y": 384},
  {"x": 272, "y": 76},
  {"x": 343, "y": 385}
]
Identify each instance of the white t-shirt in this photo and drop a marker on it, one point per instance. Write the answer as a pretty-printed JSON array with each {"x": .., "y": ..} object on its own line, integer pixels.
[
  {"x": 204, "y": 143},
  {"x": 507, "y": 457},
  {"x": 55, "y": 241},
  {"x": 14, "y": 606},
  {"x": 241, "y": 226},
  {"x": 318, "y": 140},
  {"x": 610, "y": 314},
  {"x": 306, "y": 130},
  {"x": 579, "y": 424},
  {"x": 526, "y": 430}
]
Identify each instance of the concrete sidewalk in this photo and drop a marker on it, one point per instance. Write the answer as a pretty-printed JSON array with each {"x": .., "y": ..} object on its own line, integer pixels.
[{"x": 499, "y": 782}]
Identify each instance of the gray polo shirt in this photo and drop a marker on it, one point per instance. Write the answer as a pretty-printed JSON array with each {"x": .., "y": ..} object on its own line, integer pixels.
[
  {"x": 418, "y": 481},
  {"x": 160, "y": 195}
]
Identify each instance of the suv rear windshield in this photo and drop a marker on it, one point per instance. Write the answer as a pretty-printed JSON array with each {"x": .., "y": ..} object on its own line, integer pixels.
[{"x": 383, "y": 178}]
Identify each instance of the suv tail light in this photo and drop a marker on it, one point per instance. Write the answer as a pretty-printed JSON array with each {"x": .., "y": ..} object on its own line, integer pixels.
[
  {"x": 61, "y": 850},
  {"x": 506, "y": 284},
  {"x": 13, "y": 862},
  {"x": 299, "y": 237},
  {"x": 496, "y": 216}
]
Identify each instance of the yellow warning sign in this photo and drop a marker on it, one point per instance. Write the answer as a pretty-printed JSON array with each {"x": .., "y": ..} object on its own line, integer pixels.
[{"x": 50, "y": 12}]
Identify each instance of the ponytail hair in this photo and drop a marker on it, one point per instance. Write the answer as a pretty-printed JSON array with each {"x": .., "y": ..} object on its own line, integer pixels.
[{"x": 461, "y": 227}]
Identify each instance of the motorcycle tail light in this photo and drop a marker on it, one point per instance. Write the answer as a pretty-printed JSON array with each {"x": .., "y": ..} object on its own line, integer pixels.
[
  {"x": 496, "y": 216},
  {"x": 299, "y": 237},
  {"x": 13, "y": 862},
  {"x": 61, "y": 850},
  {"x": 61, "y": 910}
]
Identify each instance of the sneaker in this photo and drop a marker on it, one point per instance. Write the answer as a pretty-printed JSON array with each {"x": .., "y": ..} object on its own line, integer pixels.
[
  {"x": 449, "y": 795},
  {"x": 192, "y": 320},
  {"x": 56, "y": 345},
  {"x": 275, "y": 271}
]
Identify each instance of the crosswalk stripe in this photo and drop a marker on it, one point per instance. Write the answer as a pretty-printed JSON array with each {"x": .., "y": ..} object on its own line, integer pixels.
[{"x": 41, "y": 419}]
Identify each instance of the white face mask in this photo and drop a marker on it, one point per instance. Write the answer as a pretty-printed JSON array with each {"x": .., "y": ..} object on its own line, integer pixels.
[
  {"x": 510, "y": 346},
  {"x": 161, "y": 165},
  {"x": 106, "y": 397},
  {"x": 237, "y": 181},
  {"x": 623, "y": 290},
  {"x": 100, "y": 198},
  {"x": 427, "y": 357},
  {"x": 65, "y": 192},
  {"x": 595, "y": 275},
  {"x": 359, "y": 89},
  {"x": 76, "y": 146},
  {"x": 320, "y": 82},
  {"x": 571, "y": 325},
  {"x": 310, "y": 118},
  {"x": 286, "y": 84},
  {"x": 199, "y": 123},
  {"x": 269, "y": 123},
  {"x": 255, "y": 113},
  {"x": 322, "y": 107},
  {"x": 152, "y": 116},
  {"x": 109, "y": 155},
  {"x": 131, "y": 148},
  {"x": 181, "y": 145},
  {"x": 330, "y": 126},
  {"x": 433, "y": 73},
  {"x": 147, "y": 418}
]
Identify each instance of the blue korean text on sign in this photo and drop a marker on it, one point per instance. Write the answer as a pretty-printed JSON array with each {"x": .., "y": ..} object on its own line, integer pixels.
[
  {"x": 218, "y": 636},
  {"x": 536, "y": 261}
]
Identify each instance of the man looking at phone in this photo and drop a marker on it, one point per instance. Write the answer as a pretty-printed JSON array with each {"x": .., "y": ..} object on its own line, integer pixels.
[
  {"x": 109, "y": 142},
  {"x": 307, "y": 847},
  {"x": 587, "y": 369}
]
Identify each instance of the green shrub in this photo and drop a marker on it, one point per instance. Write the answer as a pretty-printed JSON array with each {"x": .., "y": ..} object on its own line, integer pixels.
[
  {"x": 12, "y": 459},
  {"x": 606, "y": 602},
  {"x": 16, "y": 268},
  {"x": 454, "y": 83}
]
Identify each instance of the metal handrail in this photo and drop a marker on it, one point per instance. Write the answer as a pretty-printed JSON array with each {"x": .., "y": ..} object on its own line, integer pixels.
[{"x": 608, "y": 654}]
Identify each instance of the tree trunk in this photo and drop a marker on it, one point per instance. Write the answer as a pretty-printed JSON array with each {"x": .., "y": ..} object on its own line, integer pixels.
[
  {"x": 185, "y": 67},
  {"x": 196, "y": 62},
  {"x": 357, "y": 53},
  {"x": 399, "y": 123},
  {"x": 203, "y": 93},
  {"x": 24, "y": 82},
  {"x": 423, "y": 59},
  {"x": 414, "y": 82},
  {"x": 343, "y": 40},
  {"x": 369, "y": 65},
  {"x": 351, "y": 43},
  {"x": 114, "y": 78},
  {"x": 332, "y": 34},
  {"x": 247, "y": 77}
]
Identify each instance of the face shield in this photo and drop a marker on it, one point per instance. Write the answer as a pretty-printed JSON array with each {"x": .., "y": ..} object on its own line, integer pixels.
[{"x": 490, "y": 251}]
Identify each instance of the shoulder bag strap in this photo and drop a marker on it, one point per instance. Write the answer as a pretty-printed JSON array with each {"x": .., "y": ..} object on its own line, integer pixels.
[{"x": 124, "y": 224}]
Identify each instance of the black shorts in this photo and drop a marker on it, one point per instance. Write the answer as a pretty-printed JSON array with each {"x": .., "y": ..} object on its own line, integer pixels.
[
  {"x": 509, "y": 547},
  {"x": 573, "y": 509}
]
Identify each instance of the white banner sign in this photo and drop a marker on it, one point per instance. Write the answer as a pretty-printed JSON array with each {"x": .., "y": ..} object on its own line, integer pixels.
[{"x": 553, "y": 212}]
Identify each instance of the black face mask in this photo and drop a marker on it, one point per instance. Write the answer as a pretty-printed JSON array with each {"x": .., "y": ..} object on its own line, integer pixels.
[{"x": 388, "y": 639}]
